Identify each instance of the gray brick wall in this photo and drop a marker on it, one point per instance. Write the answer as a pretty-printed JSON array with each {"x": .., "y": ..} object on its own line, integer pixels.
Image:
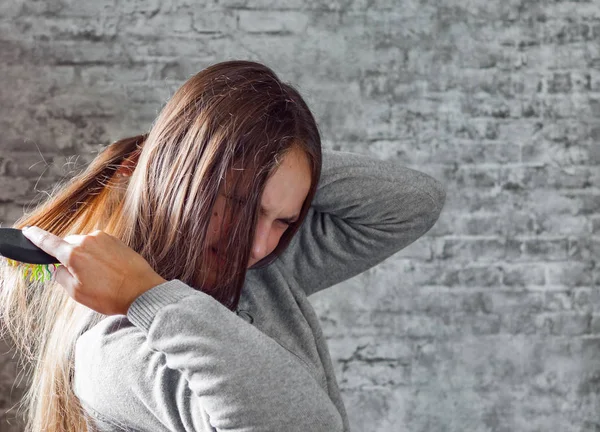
[{"x": 490, "y": 322}]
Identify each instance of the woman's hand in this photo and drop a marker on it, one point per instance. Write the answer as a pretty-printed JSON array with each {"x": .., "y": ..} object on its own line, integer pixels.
[{"x": 99, "y": 270}]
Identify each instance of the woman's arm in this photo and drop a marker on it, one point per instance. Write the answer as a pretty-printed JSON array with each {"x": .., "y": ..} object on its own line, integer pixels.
[
  {"x": 365, "y": 210},
  {"x": 188, "y": 357},
  {"x": 198, "y": 358}
]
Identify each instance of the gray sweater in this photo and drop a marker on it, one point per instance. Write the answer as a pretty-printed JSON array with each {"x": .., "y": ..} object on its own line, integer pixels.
[{"x": 181, "y": 361}]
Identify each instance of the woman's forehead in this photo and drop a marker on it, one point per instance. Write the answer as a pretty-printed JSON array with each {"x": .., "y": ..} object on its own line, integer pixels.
[{"x": 292, "y": 170}]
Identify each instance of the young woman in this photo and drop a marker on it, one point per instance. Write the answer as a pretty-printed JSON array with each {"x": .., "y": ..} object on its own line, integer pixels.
[{"x": 188, "y": 255}]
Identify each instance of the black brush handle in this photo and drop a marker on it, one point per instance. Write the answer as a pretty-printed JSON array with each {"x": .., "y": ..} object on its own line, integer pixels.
[{"x": 14, "y": 245}]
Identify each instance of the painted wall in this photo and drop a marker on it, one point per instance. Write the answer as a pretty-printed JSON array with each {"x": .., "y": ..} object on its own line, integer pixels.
[{"x": 491, "y": 321}]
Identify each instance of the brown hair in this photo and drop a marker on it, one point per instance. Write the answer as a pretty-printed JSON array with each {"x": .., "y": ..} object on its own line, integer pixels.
[{"x": 235, "y": 117}]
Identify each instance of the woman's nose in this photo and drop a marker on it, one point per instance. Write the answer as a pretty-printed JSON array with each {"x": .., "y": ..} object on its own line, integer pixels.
[{"x": 260, "y": 245}]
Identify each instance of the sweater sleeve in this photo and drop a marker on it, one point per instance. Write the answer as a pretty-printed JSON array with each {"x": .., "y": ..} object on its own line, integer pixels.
[
  {"x": 198, "y": 356},
  {"x": 364, "y": 211}
]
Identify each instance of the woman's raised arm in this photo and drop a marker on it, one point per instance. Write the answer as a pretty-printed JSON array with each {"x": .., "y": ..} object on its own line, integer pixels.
[{"x": 364, "y": 211}]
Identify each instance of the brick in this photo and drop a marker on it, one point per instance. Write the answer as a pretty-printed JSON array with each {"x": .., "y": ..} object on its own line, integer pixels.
[
  {"x": 460, "y": 223},
  {"x": 589, "y": 203},
  {"x": 234, "y": 4},
  {"x": 167, "y": 50},
  {"x": 420, "y": 250},
  {"x": 70, "y": 8},
  {"x": 472, "y": 199},
  {"x": 581, "y": 81},
  {"x": 438, "y": 152},
  {"x": 43, "y": 8},
  {"x": 140, "y": 24},
  {"x": 273, "y": 22},
  {"x": 106, "y": 75},
  {"x": 476, "y": 325},
  {"x": 559, "y": 301},
  {"x": 536, "y": 250},
  {"x": 173, "y": 6},
  {"x": 470, "y": 250},
  {"x": 357, "y": 375},
  {"x": 584, "y": 248},
  {"x": 81, "y": 105},
  {"x": 11, "y": 9},
  {"x": 393, "y": 28},
  {"x": 342, "y": 5},
  {"x": 519, "y": 323},
  {"x": 560, "y": 83},
  {"x": 554, "y": 202},
  {"x": 596, "y": 225},
  {"x": 546, "y": 177},
  {"x": 148, "y": 7},
  {"x": 564, "y": 324},
  {"x": 586, "y": 300},
  {"x": 98, "y": 28},
  {"x": 558, "y": 106},
  {"x": 523, "y": 275},
  {"x": 435, "y": 301},
  {"x": 474, "y": 176},
  {"x": 174, "y": 72},
  {"x": 450, "y": 275},
  {"x": 69, "y": 53},
  {"x": 572, "y": 274},
  {"x": 595, "y": 325},
  {"x": 561, "y": 224},
  {"x": 214, "y": 21},
  {"x": 374, "y": 403},
  {"x": 66, "y": 133},
  {"x": 482, "y": 106},
  {"x": 28, "y": 85},
  {"x": 340, "y": 121},
  {"x": 560, "y": 57},
  {"x": 565, "y": 153},
  {"x": 572, "y": 9},
  {"x": 268, "y": 4},
  {"x": 488, "y": 276},
  {"x": 465, "y": 128},
  {"x": 430, "y": 300},
  {"x": 594, "y": 79},
  {"x": 364, "y": 366},
  {"x": 561, "y": 31}
]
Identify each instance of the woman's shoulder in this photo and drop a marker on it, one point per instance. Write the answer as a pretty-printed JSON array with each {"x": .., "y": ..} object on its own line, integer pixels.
[{"x": 110, "y": 330}]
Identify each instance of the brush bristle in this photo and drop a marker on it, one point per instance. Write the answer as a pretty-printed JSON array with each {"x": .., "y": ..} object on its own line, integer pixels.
[{"x": 35, "y": 271}]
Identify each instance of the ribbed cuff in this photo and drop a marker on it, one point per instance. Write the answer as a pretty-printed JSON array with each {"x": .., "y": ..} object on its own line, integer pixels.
[{"x": 143, "y": 309}]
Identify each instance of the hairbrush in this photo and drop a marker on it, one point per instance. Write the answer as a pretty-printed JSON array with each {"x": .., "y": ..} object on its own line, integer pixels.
[{"x": 21, "y": 252}]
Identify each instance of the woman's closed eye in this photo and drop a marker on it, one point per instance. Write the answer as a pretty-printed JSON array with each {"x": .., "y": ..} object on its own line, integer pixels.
[{"x": 242, "y": 201}]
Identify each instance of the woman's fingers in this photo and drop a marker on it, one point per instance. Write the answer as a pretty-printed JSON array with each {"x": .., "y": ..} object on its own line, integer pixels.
[
  {"x": 65, "y": 279},
  {"x": 49, "y": 243},
  {"x": 99, "y": 270},
  {"x": 61, "y": 249}
]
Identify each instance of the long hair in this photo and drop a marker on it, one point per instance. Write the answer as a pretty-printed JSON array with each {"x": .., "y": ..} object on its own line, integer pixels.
[{"x": 233, "y": 117}]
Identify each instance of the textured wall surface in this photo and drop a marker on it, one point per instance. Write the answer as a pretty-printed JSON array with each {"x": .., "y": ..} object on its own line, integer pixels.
[{"x": 490, "y": 322}]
